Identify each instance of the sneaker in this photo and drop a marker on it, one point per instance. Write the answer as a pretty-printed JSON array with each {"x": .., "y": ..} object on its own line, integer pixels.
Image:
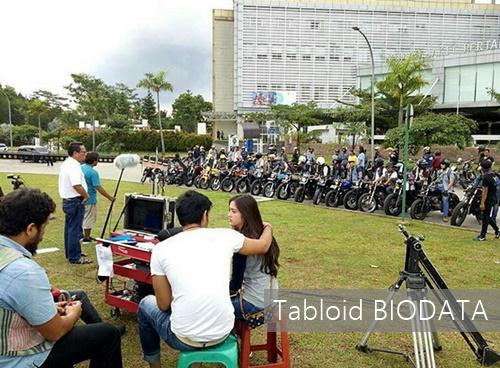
[
  {"x": 497, "y": 234},
  {"x": 445, "y": 218},
  {"x": 479, "y": 238},
  {"x": 86, "y": 241}
]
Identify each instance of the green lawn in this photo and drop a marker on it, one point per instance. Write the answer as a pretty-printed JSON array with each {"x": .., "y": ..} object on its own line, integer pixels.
[{"x": 320, "y": 248}]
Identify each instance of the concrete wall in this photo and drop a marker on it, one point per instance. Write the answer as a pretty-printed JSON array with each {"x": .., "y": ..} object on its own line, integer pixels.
[{"x": 222, "y": 60}]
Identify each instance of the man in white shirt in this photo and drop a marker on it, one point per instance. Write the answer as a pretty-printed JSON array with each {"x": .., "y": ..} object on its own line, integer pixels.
[
  {"x": 73, "y": 191},
  {"x": 191, "y": 308}
]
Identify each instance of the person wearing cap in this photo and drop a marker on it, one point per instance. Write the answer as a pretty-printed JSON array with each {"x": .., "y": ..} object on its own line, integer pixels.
[
  {"x": 488, "y": 200},
  {"x": 377, "y": 153}
]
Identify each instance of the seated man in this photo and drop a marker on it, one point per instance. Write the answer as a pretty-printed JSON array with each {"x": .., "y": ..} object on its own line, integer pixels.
[
  {"x": 192, "y": 308},
  {"x": 39, "y": 332}
]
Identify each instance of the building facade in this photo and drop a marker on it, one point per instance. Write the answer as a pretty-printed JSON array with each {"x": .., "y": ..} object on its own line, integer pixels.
[{"x": 287, "y": 51}]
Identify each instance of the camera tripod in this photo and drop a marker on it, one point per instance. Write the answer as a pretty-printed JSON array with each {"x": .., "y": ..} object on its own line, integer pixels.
[{"x": 425, "y": 341}]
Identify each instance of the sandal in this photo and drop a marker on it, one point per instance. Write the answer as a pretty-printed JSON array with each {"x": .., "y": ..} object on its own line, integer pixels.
[{"x": 82, "y": 260}]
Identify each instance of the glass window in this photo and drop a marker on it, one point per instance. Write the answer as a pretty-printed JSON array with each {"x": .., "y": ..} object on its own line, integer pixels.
[
  {"x": 484, "y": 82},
  {"x": 496, "y": 82},
  {"x": 451, "y": 76},
  {"x": 467, "y": 83}
]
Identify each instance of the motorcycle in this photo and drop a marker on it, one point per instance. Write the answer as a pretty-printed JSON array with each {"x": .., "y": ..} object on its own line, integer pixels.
[
  {"x": 324, "y": 183},
  {"x": 336, "y": 192},
  {"x": 469, "y": 205},
  {"x": 393, "y": 204},
  {"x": 466, "y": 174},
  {"x": 272, "y": 183},
  {"x": 306, "y": 187},
  {"x": 228, "y": 183},
  {"x": 372, "y": 200},
  {"x": 430, "y": 199},
  {"x": 351, "y": 198},
  {"x": 287, "y": 186},
  {"x": 259, "y": 181}
]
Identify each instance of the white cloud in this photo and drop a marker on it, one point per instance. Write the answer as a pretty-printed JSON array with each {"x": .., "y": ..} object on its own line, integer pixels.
[{"x": 43, "y": 42}]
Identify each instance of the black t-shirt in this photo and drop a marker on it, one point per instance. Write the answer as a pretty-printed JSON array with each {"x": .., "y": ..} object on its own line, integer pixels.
[{"x": 490, "y": 183}]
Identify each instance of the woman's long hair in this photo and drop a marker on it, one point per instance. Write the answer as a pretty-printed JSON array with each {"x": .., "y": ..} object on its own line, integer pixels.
[{"x": 253, "y": 228}]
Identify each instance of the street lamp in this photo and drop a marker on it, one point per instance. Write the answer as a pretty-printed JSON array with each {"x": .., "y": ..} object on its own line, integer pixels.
[
  {"x": 10, "y": 118},
  {"x": 372, "y": 149}
]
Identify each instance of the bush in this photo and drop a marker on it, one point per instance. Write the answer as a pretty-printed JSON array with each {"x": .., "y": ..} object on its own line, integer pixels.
[{"x": 142, "y": 140}]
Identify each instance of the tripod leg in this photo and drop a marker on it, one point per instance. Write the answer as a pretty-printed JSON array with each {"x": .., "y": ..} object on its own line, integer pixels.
[
  {"x": 362, "y": 345},
  {"x": 431, "y": 336}
]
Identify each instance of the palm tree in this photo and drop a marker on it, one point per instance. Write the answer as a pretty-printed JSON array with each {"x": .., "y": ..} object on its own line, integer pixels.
[
  {"x": 157, "y": 83},
  {"x": 404, "y": 78}
]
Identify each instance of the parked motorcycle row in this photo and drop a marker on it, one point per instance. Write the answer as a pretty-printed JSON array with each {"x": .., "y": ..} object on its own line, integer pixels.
[{"x": 316, "y": 181}]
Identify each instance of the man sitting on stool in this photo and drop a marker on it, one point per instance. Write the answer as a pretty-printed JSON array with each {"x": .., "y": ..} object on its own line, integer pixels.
[{"x": 192, "y": 308}]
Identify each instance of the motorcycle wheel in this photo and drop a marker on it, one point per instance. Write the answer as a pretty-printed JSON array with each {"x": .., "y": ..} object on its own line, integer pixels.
[
  {"x": 196, "y": 181},
  {"x": 268, "y": 190},
  {"x": 459, "y": 214},
  {"x": 256, "y": 188},
  {"x": 204, "y": 183},
  {"x": 317, "y": 196},
  {"x": 351, "y": 200},
  {"x": 188, "y": 180},
  {"x": 299, "y": 194},
  {"x": 331, "y": 199},
  {"x": 392, "y": 207},
  {"x": 282, "y": 192},
  {"x": 241, "y": 186},
  {"x": 227, "y": 185},
  {"x": 417, "y": 210},
  {"x": 215, "y": 183},
  {"x": 366, "y": 203}
]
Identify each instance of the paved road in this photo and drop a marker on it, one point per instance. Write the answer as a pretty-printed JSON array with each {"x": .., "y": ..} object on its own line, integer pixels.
[{"x": 109, "y": 171}]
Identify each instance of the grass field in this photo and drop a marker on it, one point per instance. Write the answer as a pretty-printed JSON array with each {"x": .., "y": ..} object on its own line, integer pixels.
[{"x": 320, "y": 248}]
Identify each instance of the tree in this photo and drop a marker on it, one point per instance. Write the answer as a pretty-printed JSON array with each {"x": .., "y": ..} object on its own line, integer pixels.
[
  {"x": 297, "y": 116},
  {"x": 148, "y": 108},
  {"x": 37, "y": 107},
  {"x": 157, "y": 83},
  {"x": 18, "y": 106},
  {"x": 355, "y": 129},
  {"x": 187, "y": 109},
  {"x": 435, "y": 129},
  {"x": 403, "y": 79},
  {"x": 91, "y": 95}
]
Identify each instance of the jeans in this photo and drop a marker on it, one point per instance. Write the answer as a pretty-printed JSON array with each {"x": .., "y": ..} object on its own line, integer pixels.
[
  {"x": 494, "y": 212},
  {"x": 89, "y": 313},
  {"x": 445, "y": 200},
  {"x": 73, "y": 221},
  {"x": 488, "y": 219},
  {"x": 248, "y": 308},
  {"x": 153, "y": 325},
  {"x": 99, "y": 342}
]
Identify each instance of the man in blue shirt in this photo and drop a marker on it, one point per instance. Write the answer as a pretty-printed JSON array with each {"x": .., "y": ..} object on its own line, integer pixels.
[
  {"x": 94, "y": 185},
  {"x": 36, "y": 332}
]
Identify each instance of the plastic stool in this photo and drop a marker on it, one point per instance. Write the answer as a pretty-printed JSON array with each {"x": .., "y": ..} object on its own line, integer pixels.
[
  {"x": 226, "y": 353},
  {"x": 271, "y": 346}
]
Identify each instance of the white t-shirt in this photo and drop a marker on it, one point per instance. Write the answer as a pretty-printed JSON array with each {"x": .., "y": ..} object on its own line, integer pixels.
[
  {"x": 197, "y": 264},
  {"x": 70, "y": 174}
]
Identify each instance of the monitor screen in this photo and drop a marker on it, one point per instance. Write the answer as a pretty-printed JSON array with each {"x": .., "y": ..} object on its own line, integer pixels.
[{"x": 145, "y": 215}]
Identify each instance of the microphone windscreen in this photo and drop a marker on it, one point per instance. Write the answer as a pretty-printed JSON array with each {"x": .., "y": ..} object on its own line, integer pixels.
[{"x": 126, "y": 160}]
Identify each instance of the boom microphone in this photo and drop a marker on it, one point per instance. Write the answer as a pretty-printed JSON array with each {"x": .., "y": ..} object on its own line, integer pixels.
[{"x": 127, "y": 160}]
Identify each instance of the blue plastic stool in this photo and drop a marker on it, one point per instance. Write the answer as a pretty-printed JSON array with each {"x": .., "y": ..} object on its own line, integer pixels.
[{"x": 226, "y": 353}]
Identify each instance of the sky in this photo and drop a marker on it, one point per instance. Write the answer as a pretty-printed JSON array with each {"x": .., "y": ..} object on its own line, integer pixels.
[{"x": 43, "y": 42}]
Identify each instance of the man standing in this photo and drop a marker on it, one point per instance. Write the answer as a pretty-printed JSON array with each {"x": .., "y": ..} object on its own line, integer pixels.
[
  {"x": 36, "y": 332},
  {"x": 73, "y": 191},
  {"x": 446, "y": 182},
  {"x": 94, "y": 185},
  {"x": 191, "y": 308},
  {"x": 488, "y": 200}
]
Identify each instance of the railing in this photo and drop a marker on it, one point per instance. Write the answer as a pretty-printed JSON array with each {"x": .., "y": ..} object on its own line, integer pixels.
[{"x": 42, "y": 157}]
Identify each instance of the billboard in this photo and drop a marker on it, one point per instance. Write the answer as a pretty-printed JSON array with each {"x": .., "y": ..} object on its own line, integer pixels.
[{"x": 268, "y": 98}]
